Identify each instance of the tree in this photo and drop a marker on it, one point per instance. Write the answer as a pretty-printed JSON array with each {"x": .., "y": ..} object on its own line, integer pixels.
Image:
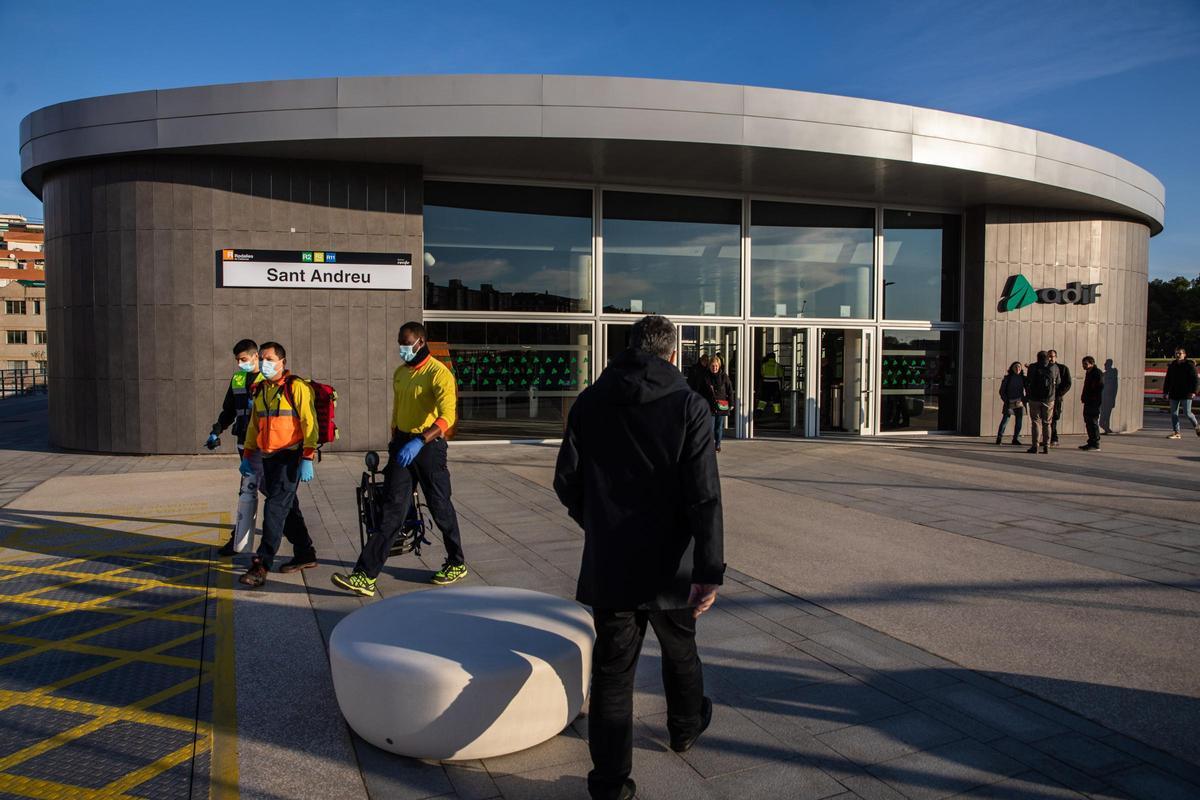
[{"x": 1173, "y": 317}]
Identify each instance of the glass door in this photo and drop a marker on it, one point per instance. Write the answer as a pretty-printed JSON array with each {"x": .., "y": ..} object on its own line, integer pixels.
[
  {"x": 697, "y": 341},
  {"x": 846, "y": 392},
  {"x": 782, "y": 403}
]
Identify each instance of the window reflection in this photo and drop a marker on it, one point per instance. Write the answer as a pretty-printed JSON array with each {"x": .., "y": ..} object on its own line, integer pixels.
[
  {"x": 507, "y": 248},
  {"x": 919, "y": 382},
  {"x": 668, "y": 254},
  {"x": 920, "y": 266},
  {"x": 811, "y": 261},
  {"x": 515, "y": 380}
]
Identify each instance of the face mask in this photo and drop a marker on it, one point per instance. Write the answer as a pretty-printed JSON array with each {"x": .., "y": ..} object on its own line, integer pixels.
[
  {"x": 408, "y": 352},
  {"x": 246, "y": 366},
  {"x": 270, "y": 369}
]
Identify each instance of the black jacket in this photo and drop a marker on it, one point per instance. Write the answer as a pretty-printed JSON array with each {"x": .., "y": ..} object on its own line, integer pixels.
[
  {"x": 638, "y": 471},
  {"x": 1180, "y": 381},
  {"x": 1034, "y": 383},
  {"x": 1064, "y": 380},
  {"x": 1093, "y": 387},
  {"x": 713, "y": 388}
]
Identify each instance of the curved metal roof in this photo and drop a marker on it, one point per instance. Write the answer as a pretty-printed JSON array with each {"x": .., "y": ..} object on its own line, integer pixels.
[{"x": 634, "y": 131}]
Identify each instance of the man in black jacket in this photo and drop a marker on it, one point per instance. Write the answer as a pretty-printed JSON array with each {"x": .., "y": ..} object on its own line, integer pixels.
[
  {"x": 235, "y": 411},
  {"x": 1041, "y": 387},
  {"x": 1179, "y": 387},
  {"x": 638, "y": 472},
  {"x": 1064, "y": 386},
  {"x": 1091, "y": 396}
]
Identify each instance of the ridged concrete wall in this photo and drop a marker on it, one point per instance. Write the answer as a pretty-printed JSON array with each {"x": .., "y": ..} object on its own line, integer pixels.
[
  {"x": 1051, "y": 249},
  {"x": 140, "y": 335}
]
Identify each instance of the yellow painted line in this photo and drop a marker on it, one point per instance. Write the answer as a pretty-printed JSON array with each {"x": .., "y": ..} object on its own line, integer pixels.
[
  {"x": 122, "y": 713},
  {"x": 83, "y": 729},
  {"x": 49, "y": 790},
  {"x": 157, "y": 768},
  {"x": 96, "y": 604},
  {"x": 95, "y": 650},
  {"x": 223, "y": 767}
]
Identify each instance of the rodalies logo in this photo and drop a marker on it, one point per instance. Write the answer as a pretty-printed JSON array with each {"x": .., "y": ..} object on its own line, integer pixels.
[{"x": 1019, "y": 292}]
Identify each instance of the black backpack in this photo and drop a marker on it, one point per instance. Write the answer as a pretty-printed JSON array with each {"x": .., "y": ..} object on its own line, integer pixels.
[{"x": 1042, "y": 382}]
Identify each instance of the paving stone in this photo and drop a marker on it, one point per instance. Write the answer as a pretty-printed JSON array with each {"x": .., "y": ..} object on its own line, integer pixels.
[
  {"x": 562, "y": 749},
  {"x": 1045, "y": 764},
  {"x": 1085, "y": 753},
  {"x": 945, "y": 771},
  {"x": 471, "y": 781},
  {"x": 731, "y": 743},
  {"x": 562, "y": 782},
  {"x": 1009, "y": 718},
  {"x": 885, "y": 739},
  {"x": 823, "y": 707},
  {"x": 790, "y": 779},
  {"x": 1026, "y": 786},
  {"x": 1149, "y": 783}
]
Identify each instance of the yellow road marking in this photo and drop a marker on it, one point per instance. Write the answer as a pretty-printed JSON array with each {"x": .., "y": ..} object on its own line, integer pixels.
[
  {"x": 96, "y": 650},
  {"x": 223, "y": 768},
  {"x": 49, "y": 790},
  {"x": 128, "y": 714},
  {"x": 157, "y": 767}
]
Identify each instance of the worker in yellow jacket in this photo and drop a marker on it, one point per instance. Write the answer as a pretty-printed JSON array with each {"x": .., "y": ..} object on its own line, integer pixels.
[
  {"x": 424, "y": 401},
  {"x": 283, "y": 429}
]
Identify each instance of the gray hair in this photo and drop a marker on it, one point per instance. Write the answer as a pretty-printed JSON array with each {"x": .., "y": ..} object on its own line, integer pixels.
[{"x": 654, "y": 335}]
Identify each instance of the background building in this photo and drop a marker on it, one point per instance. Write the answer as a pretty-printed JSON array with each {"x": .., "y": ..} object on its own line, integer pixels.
[
  {"x": 23, "y": 342},
  {"x": 864, "y": 267}
]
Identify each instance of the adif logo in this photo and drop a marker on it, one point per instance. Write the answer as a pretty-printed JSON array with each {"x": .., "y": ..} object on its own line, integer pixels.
[{"x": 1019, "y": 292}]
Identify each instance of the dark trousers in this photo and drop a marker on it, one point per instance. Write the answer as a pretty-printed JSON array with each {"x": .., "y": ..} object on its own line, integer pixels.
[
  {"x": 431, "y": 473},
  {"x": 619, "y": 636},
  {"x": 281, "y": 510},
  {"x": 1091, "y": 419},
  {"x": 1019, "y": 413}
]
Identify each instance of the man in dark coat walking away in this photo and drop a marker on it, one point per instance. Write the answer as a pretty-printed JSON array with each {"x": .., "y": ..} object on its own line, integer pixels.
[
  {"x": 1091, "y": 395},
  {"x": 1041, "y": 387},
  {"x": 638, "y": 471}
]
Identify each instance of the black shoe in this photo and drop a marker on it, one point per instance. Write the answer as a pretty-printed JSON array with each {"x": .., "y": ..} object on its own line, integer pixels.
[
  {"x": 1045, "y": 450},
  {"x": 300, "y": 562},
  {"x": 683, "y": 745},
  {"x": 628, "y": 790},
  {"x": 227, "y": 549},
  {"x": 1032, "y": 449},
  {"x": 1054, "y": 442},
  {"x": 1016, "y": 442},
  {"x": 1089, "y": 447},
  {"x": 999, "y": 439}
]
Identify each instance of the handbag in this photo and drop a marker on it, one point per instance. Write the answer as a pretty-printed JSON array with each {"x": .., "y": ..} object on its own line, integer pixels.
[{"x": 724, "y": 406}]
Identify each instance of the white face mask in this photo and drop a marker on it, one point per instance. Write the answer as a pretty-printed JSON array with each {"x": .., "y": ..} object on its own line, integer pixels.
[
  {"x": 271, "y": 368},
  {"x": 408, "y": 352}
]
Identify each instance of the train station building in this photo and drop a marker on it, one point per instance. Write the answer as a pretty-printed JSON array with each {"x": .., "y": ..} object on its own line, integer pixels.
[{"x": 864, "y": 268}]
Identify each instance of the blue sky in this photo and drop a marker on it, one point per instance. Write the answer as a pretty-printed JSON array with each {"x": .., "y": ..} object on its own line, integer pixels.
[{"x": 1121, "y": 76}]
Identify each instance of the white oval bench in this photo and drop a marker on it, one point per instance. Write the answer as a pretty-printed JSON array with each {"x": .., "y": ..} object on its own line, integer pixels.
[{"x": 462, "y": 673}]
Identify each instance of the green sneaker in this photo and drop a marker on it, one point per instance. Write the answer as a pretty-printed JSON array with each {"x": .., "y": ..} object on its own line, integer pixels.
[
  {"x": 356, "y": 582},
  {"x": 449, "y": 573}
]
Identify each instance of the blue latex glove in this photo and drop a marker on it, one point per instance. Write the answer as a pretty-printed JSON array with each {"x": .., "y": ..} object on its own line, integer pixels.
[
  {"x": 406, "y": 454},
  {"x": 246, "y": 468},
  {"x": 306, "y": 470},
  {"x": 212, "y": 442}
]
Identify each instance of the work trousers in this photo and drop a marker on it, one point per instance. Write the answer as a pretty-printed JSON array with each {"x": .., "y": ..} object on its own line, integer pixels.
[
  {"x": 281, "y": 509},
  {"x": 431, "y": 473},
  {"x": 1019, "y": 413},
  {"x": 619, "y": 637},
  {"x": 1091, "y": 420},
  {"x": 1040, "y": 413}
]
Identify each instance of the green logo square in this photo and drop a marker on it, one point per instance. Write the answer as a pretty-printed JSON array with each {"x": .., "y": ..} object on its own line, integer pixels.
[{"x": 306, "y": 256}]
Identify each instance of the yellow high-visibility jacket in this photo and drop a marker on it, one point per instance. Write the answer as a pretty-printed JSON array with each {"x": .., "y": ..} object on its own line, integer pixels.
[
  {"x": 275, "y": 424},
  {"x": 423, "y": 394}
]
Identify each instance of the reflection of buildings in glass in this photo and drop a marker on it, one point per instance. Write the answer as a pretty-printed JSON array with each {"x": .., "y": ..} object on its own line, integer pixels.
[{"x": 455, "y": 295}]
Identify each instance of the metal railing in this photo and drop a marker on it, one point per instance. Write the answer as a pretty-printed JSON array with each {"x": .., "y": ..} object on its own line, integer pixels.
[{"x": 14, "y": 382}]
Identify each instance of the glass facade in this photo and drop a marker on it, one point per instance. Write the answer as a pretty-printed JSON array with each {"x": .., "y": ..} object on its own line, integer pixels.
[
  {"x": 515, "y": 379},
  {"x": 670, "y": 254},
  {"x": 921, "y": 266},
  {"x": 919, "y": 385},
  {"x": 507, "y": 248},
  {"x": 811, "y": 261},
  {"x": 517, "y": 308}
]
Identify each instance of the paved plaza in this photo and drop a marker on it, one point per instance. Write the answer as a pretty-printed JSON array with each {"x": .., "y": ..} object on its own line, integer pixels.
[{"x": 904, "y": 618}]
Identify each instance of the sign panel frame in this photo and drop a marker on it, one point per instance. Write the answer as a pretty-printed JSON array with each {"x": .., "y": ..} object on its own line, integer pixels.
[{"x": 238, "y": 268}]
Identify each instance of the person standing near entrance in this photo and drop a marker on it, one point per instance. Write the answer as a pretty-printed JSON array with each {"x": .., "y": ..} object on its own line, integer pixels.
[
  {"x": 638, "y": 472},
  {"x": 1091, "y": 396},
  {"x": 1012, "y": 395},
  {"x": 424, "y": 401},
  {"x": 1041, "y": 386},
  {"x": 235, "y": 411},
  {"x": 717, "y": 389},
  {"x": 283, "y": 431},
  {"x": 771, "y": 373},
  {"x": 1180, "y": 385},
  {"x": 1064, "y": 386}
]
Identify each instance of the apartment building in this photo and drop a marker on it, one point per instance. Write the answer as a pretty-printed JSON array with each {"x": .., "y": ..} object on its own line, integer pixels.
[{"x": 22, "y": 294}]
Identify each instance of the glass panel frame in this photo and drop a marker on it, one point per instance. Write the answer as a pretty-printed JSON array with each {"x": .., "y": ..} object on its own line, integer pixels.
[{"x": 922, "y": 265}]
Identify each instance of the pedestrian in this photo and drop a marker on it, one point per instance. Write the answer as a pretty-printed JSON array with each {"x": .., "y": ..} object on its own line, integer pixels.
[
  {"x": 698, "y": 372},
  {"x": 1041, "y": 386},
  {"x": 1091, "y": 395},
  {"x": 717, "y": 389},
  {"x": 771, "y": 375},
  {"x": 424, "y": 409},
  {"x": 282, "y": 431},
  {"x": 1179, "y": 387},
  {"x": 1012, "y": 396},
  {"x": 638, "y": 472},
  {"x": 235, "y": 411},
  {"x": 1064, "y": 386}
]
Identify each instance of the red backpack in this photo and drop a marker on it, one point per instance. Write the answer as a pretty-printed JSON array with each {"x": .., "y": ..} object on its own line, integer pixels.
[{"x": 325, "y": 400}]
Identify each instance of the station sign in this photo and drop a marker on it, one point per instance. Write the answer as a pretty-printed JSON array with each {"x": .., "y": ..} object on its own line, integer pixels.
[
  {"x": 312, "y": 269},
  {"x": 1019, "y": 292}
]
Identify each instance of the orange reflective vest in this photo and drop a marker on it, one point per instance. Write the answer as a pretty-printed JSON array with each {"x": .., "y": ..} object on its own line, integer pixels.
[{"x": 276, "y": 424}]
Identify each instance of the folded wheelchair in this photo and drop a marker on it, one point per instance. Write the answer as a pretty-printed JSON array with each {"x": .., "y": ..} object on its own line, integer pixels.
[{"x": 370, "y": 497}]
